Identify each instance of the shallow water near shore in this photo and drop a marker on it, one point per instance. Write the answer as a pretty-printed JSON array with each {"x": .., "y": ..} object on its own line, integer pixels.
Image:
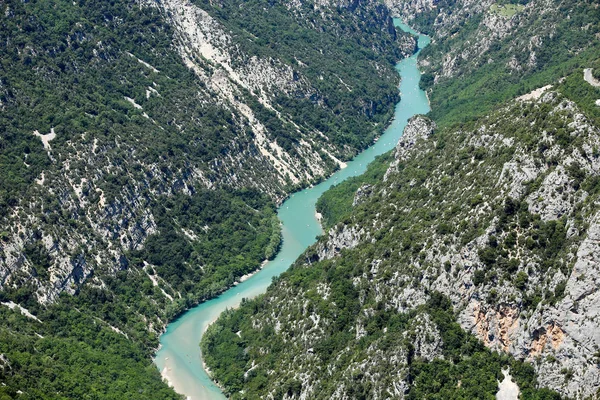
[{"x": 179, "y": 358}]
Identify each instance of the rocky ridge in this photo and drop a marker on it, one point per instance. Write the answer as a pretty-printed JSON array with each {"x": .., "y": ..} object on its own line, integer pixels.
[
  {"x": 486, "y": 53},
  {"x": 92, "y": 201},
  {"x": 145, "y": 147},
  {"x": 562, "y": 332},
  {"x": 500, "y": 216},
  {"x": 492, "y": 27}
]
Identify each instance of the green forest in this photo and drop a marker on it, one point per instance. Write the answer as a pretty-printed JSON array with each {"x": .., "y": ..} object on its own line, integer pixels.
[
  {"x": 336, "y": 203},
  {"x": 74, "y": 352},
  {"x": 484, "y": 86}
]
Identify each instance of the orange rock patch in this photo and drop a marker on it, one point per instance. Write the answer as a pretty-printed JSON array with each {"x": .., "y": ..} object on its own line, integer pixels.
[{"x": 552, "y": 334}]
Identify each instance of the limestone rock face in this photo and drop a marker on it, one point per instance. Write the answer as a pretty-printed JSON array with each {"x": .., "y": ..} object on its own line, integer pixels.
[
  {"x": 4, "y": 363},
  {"x": 340, "y": 238},
  {"x": 411, "y": 8},
  {"x": 560, "y": 339},
  {"x": 362, "y": 194},
  {"x": 520, "y": 33},
  {"x": 427, "y": 340},
  {"x": 570, "y": 329},
  {"x": 418, "y": 128}
]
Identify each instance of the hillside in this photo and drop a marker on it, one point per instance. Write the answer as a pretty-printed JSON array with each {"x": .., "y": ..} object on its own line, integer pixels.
[
  {"x": 144, "y": 148},
  {"x": 198, "y": 106},
  {"x": 146, "y": 145},
  {"x": 472, "y": 248},
  {"x": 492, "y": 223},
  {"x": 485, "y": 53}
]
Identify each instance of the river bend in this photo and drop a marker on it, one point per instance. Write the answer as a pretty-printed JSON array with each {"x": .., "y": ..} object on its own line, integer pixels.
[{"x": 179, "y": 358}]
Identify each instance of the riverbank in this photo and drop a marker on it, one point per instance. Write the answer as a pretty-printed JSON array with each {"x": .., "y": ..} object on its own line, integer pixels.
[
  {"x": 589, "y": 77},
  {"x": 251, "y": 274}
]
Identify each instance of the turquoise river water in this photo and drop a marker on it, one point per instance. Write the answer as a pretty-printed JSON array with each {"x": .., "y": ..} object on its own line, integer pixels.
[{"x": 179, "y": 358}]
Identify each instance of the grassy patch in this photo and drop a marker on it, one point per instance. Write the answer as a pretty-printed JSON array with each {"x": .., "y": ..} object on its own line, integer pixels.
[{"x": 506, "y": 10}]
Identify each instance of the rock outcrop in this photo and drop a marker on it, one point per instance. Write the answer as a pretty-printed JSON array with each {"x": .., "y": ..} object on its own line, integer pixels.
[{"x": 418, "y": 128}]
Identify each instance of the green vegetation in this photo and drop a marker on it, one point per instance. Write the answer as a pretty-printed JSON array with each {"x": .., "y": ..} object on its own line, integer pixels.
[
  {"x": 71, "y": 354},
  {"x": 467, "y": 369},
  {"x": 336, "y": 203},
  {"x": 546, "y": 242},
  {"x": 467, "y": 361},
  {"x": 351, "y": 113},
  {"x": 229, "y": 233},
  {"x": 582, "y": 93},
  {"x": 334, "y": 325},
  {"x": 233, "y": 232},
  {"x": 485, "y": 84},
  {"x": 506, "y": 10},
  {"x": 69, "y": 66}
]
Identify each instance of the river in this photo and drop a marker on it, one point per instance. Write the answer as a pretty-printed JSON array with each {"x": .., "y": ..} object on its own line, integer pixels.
[{"x": 179, "y": 357}]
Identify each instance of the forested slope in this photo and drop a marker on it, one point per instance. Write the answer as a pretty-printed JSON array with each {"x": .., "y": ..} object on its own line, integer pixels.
[
  {"x": 487, "y": 52},
  {"x": 494, "y": 223},
  {"x": 472, "y": 248},
  {"x": 144, "y": 147}
]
